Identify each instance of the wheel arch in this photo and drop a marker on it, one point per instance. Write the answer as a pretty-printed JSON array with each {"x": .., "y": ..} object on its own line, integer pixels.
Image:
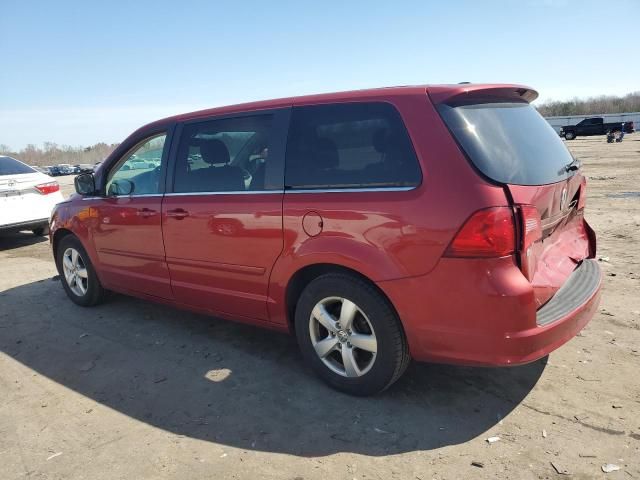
[
  {"x": 57, "y": 237},
  {"x": 62, "y": 233},
  {"x": 305, "y": 275}
]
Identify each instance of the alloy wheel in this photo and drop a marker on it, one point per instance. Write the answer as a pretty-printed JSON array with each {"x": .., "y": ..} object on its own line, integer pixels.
[
  {"x": 75, "y": 271},
  {"x": 343, "y": 337}
]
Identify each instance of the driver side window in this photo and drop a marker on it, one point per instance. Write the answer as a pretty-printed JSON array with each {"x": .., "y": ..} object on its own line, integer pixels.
[{"x": 138, "y": 172}]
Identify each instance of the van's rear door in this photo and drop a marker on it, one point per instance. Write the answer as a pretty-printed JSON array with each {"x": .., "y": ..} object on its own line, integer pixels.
[{"x": 509, "y": 143}]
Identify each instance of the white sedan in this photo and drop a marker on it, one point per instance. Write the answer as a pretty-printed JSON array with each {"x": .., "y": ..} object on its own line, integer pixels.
[{"x": 26, "y": 197}]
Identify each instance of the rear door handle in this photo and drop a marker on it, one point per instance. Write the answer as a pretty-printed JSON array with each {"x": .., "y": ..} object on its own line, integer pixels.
[
  {"x": 178, "y": 213},
  {"x": 146, "y": 212}
]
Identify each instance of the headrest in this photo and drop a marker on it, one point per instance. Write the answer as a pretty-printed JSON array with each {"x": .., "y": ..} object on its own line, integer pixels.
[
  {"x": 214, "y": 152},
  {"x": 326, "y": 153},
  {"x": 381, "y": 139}
]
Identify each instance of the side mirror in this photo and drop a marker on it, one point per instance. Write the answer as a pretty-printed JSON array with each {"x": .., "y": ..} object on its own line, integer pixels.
[
  {"x": 121, "y": 186},
  {"x": 85, "y": 184}
]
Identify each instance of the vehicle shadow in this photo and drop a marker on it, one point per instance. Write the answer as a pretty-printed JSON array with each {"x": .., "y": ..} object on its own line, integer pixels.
[
  {"x": 242, "y": 386},
  {"x": 10, "y": 241}
]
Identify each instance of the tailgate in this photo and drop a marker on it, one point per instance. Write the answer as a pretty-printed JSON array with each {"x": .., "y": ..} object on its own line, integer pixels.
[
  {"x": 509, "y": 143},
  {"x": 565, "y": 238}
]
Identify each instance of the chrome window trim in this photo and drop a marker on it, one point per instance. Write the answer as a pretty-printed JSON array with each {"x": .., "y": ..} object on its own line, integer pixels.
[
  {"x": 258, "y": 192},
  {"x": 124, "y": 196},
  {"x": 351, "y": 190},
  {"x": 234, "y": 192}
]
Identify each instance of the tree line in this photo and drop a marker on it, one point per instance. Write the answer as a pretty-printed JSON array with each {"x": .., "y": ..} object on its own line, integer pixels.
[
  {"x": 591, "y": 106},
  {"x": 52, "y": 154}
]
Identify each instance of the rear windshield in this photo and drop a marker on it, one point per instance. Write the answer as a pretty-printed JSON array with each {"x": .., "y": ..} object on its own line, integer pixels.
[
  {"x": 509, "y": 142},
  {"x": 11, "y": 166}
]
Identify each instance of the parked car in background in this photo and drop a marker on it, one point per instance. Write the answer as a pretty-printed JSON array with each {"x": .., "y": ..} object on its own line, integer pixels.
[
  {"x": 594, "y": 126},
  {"x": 65, "y": 169},
  {"x": 26, "y": 197},
  {"x": 440, "y": 223},
  {"x": 85, "y": 168},
  {"x": 55, "y": 171}
]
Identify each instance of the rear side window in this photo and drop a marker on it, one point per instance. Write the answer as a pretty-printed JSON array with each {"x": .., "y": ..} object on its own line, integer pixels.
[
  {"x": 349, "y": 145},
  {"x": 509, "y": 142},
  {"x": 11, "y": 166}
]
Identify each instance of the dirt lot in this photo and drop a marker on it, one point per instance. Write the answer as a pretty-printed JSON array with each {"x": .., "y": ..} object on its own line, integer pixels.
[{"x": 133, "y": 390}]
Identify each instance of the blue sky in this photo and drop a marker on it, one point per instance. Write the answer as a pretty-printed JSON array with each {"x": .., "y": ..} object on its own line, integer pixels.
[{"x": 79, "y": 72}]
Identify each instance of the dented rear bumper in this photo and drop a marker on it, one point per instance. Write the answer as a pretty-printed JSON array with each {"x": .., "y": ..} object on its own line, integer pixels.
[{"x": 484, "y": 312}]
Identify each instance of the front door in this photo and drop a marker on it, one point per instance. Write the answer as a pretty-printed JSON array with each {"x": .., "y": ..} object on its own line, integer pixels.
[
  {"x": 128, "y": 230},
  {"x": 222, "y": 221}
]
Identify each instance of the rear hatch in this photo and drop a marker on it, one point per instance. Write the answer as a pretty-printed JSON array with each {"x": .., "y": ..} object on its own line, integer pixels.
[{"x": 509, "y": 143}]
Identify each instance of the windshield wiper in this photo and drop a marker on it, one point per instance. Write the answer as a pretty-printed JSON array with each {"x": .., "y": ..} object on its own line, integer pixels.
[{"x": 572, "y": 166}]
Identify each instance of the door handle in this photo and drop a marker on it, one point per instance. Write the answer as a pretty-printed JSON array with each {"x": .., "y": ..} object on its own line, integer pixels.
[
  {"x": 146, "y": 212},
  {"x": 178, "y": 213}
]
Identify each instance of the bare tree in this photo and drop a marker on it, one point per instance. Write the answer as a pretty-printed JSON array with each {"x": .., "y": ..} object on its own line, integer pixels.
[
  {"x": 51, "y": 153},
  {"x": 591, "y": 105}
]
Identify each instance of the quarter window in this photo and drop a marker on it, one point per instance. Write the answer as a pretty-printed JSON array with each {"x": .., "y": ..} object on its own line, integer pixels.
[
  {"x": 226, "y": 155},
  {"x": 138, "y": 172},
  {"x": 349, "y": 145}
]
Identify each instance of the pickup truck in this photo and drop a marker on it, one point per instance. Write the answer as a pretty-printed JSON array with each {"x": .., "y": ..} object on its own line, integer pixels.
[{"x": 594, "y": 126}]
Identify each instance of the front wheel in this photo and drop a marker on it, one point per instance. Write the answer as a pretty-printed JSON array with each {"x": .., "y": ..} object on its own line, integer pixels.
[
  {"x": 569, "y": 136},
  {"x": 350, "y": 334},
  {"x": 78, "y": 276}
]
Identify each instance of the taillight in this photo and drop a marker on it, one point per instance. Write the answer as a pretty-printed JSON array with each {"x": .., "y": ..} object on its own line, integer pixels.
[
  {"x": 531, "y": 226},
  {"x": 487, "y": 233},
  {"x": 582, "y": 198},
  {"x": 47, "y": 188}
]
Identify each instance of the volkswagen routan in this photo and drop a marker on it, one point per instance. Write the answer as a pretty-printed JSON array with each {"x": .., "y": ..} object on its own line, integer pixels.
[{"x": 436, "y": 223}]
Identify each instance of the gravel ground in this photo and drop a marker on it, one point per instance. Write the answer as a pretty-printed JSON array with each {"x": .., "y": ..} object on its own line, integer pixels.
[{"x": 133, "y": 390}]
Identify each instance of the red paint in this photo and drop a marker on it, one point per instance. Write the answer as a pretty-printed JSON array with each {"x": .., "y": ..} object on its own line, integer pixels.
[
  {"x": 234, "y": 255},
  {"x": 127, "y": 240},
  {"x": 220, "y": 254}
]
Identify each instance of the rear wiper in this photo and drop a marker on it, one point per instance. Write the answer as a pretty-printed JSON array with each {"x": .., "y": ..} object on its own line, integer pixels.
[{"x": 572, "y": 166}]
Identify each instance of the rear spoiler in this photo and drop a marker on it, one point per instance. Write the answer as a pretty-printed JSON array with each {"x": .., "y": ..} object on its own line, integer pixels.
[{"x": 480, "y": 93}]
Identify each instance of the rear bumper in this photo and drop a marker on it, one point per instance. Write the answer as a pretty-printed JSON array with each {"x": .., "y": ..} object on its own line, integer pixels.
[
  {"x": 561, "y": 318},
  {"x": 485, "y": 314},
  {"x": 28, "y": 225}
]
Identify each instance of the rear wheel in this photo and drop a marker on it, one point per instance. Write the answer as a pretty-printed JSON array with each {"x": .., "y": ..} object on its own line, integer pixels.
[
  {"x": 78, "y": 276},
  {"x": 350, "y": 335}
]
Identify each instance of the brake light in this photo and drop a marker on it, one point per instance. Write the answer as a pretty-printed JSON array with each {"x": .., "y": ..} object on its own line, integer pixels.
[
  {"x": 47, "y": 188},
  {"x": 487, "y": 233},
  {"x": 582, "y": 198},
  {"x": 531, "y": 226}
]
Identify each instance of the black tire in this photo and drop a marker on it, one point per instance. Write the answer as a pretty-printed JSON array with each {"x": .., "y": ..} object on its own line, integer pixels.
[
  {"x": 40, "y": 231},
  {"x": 569, "y": 135},
  {"x": 95, "y": 293},
  {"x": 392, "y": 355}
]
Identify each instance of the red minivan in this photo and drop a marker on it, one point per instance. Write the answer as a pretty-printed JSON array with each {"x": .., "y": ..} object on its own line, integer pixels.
[{"x": 440, "y": 223}]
